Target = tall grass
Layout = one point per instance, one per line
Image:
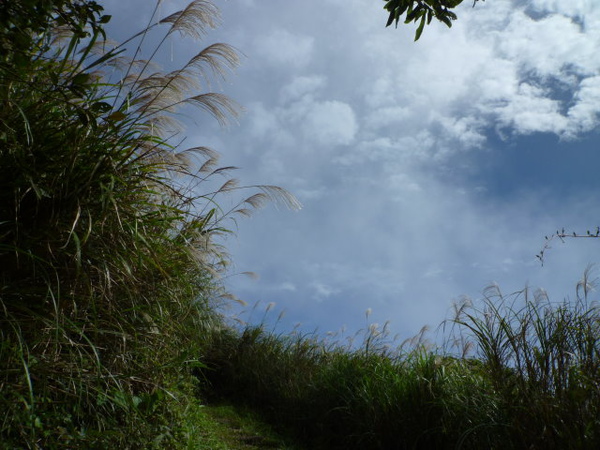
(543, 361)
(110, 272)
(109, 263)
(526, 376)
(333, 395)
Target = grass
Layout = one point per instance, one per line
(108, 228)
(111, 271)
(231, 427)
(525, 376)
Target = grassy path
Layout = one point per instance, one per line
(227, 427)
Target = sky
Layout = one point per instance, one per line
(427, 170)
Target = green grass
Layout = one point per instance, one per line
(526, 375)
(110, 284)
(108, 228)
(231, 427)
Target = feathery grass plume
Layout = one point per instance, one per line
(543, 362)
(110, 266)
(532, 381)
(194, 20)
(335, 396)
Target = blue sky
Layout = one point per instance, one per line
(427, 170)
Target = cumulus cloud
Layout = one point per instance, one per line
(529, 110)
(326, 123)
(575, 8)
(501, 66)
(532, 80)
(372, 131)
(383, 230)
(584, 114)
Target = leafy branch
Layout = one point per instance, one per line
(421, 11)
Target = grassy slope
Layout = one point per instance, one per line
(109, 270)
(532, 383)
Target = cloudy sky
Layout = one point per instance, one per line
(427, 170)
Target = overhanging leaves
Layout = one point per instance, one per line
(421, 12)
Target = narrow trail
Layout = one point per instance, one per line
(224, 426)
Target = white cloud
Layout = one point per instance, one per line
(497, 67)
(530, 80)
(280, 47)
(584, 115)
(380, 228)
(301, 86)
(544, 46)
(323, 291)
(572, 8)
(385, 116)
(325, 123)
(464, 131)
(263, 122)
(286, 286)
(359, 122)
(529, 110)
(330, 123)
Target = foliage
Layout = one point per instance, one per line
(334, 396)
(22, 22)
(532, 381)
(543, 361)
(421, 11)
(110, 267)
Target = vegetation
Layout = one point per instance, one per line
(110, 282)
(519, 372)
(421, 11)
(110, 268)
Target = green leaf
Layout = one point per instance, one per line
(412, 14)
(420, 29)
(116, 116)
(400, 10)
(81, 78)
(391, 19)
(101, 107)
(446, 20)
